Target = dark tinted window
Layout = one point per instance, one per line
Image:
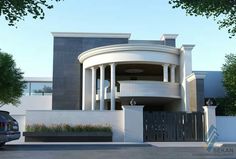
(5, 116)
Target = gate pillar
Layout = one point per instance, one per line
(210, 121)
(133, 123)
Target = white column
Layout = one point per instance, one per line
(94, 90)
(172, 70)
(83, 90)
(113, 79)
(185, 71)
(87, 89)
(102, 78)
(165, 72)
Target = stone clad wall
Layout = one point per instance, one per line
(67, 71)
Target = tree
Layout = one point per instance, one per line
(229, 74)
(11, 81)
(227, 106)
(224, 11)
(16, 10)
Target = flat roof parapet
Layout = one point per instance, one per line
(91, 35)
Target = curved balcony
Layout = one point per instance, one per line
(133, 88)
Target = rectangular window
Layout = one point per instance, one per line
(41, 88)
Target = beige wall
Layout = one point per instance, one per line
(193, 95)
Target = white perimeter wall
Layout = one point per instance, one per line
(29, 103)
(73, 117)
(226, 128)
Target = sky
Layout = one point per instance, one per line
(31, 42)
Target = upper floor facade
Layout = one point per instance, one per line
(102, 71)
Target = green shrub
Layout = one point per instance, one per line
(67, 128)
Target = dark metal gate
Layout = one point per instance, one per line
(173, 126)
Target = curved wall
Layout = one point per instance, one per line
(126, 53)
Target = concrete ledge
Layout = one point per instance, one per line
(189, 144)
(79, 143)
(178, 144)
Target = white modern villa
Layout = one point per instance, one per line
(103, 71)
(96, 75)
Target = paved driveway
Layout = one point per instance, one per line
(111, 152)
